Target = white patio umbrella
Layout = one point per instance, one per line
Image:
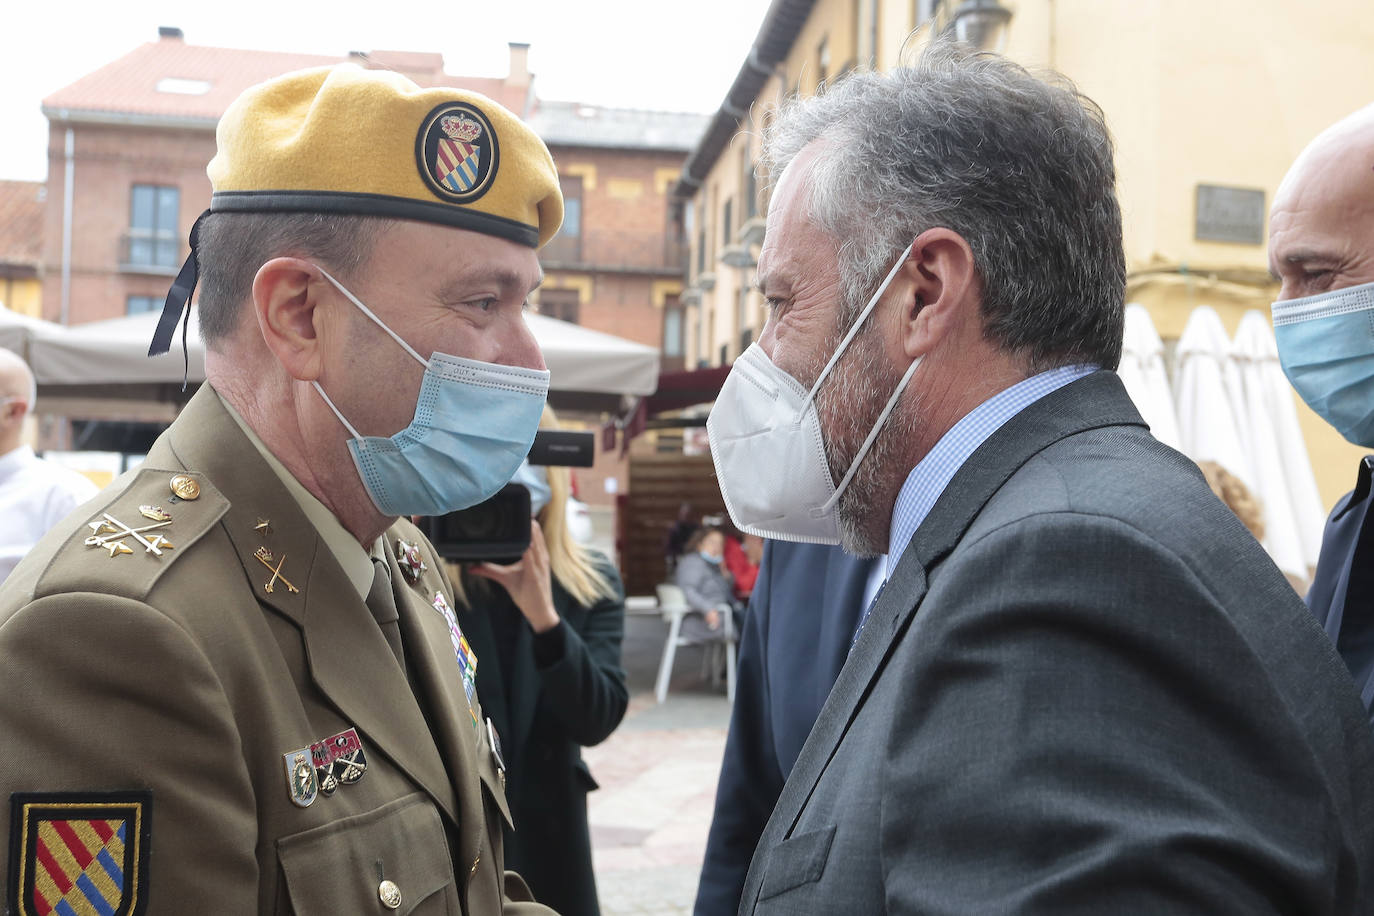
(1285, 483)
(115, 351)
(1142, 372)
(1208, 422)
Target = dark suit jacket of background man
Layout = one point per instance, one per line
(1342, 592)
(1085, 689)
(802, 614)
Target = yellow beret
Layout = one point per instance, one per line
(343, 139)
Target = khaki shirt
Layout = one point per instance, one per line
(153, 705)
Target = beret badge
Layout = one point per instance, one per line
(457, 152)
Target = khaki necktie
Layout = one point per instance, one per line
(382, 603)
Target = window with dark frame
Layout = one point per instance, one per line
(154, 239)
(567, 244)
(672, 326)
(562, 304)
(137, 305)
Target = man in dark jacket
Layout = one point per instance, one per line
(805, 604)
(1321, 247)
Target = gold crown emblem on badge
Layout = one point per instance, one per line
(460, 127)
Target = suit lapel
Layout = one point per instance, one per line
(1091, 402)
(349, 659)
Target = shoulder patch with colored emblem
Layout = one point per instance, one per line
(457, 152)
(79, 853)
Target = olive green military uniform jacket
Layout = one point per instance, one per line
(187, 681)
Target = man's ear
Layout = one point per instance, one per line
(16, 410)
(941, 283)
(285, 304)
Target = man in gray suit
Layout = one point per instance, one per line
(1083, 688)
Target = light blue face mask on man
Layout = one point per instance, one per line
(1326, 346)
(474, 423)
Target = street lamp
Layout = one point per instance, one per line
(981, 23)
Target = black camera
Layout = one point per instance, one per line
(498, 530)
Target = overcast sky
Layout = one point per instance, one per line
(625, 53)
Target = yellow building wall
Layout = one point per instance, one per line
(24, 296)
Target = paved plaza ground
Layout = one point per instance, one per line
(658, 774)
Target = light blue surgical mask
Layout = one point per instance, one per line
(1326, 347)
(536, 480)
(474, 423)
(710, 558)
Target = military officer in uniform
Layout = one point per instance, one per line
(235, 683)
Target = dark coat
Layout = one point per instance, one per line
(1084, 689)
(802, 614)
(1342, 592)
(554, 694)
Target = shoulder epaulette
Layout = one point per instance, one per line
(129, 541)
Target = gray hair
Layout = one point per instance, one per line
(232, 246)
(1020, 167)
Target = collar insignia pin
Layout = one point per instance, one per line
(266, 559)
(263, 527)
(154, 513)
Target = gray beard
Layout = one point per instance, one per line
(849, 405)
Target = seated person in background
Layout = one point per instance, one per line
(547, 631)
(705, 584)
(742, 555)
(679, 533)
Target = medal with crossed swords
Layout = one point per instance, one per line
(109, 532)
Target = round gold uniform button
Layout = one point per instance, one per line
(185, 487)
(389, 894)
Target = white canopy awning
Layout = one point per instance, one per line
(17, 332)
(1284, 481)
(1208, 392)
(115, 352)
(1142, 372)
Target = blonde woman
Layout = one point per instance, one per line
(546, 631)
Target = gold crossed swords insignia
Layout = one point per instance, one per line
(266, 559)
(109, 532)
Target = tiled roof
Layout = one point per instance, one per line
(203, 80)
(576, 124)
(21, 222)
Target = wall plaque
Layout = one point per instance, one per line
(1230, 214)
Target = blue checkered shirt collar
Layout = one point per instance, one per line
(929, 478)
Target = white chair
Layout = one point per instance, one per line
(672, 604)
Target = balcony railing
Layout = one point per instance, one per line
(619, 250)
(149, 254)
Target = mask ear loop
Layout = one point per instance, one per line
(853, 329)
(369, 313)
(342, 419)
(872, 437)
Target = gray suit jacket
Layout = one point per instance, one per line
(1085, 689)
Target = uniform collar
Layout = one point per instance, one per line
(353, 559)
